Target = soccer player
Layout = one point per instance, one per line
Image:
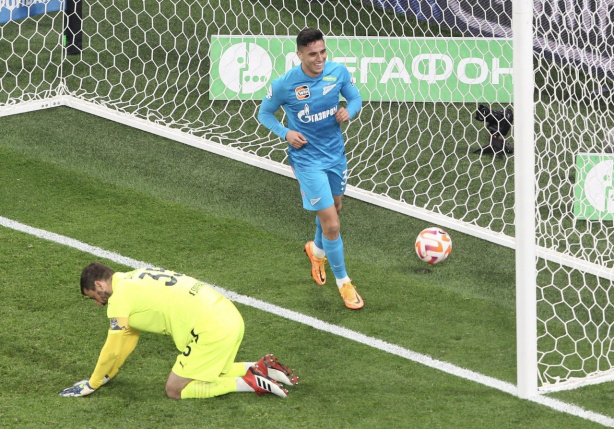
(309, 95)
(206, 327)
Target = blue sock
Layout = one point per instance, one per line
(318, 238)
(334, 253)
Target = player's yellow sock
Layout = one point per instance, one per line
(202, 389)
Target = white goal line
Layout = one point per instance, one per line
(326, 327)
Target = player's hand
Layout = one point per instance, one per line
(105, 380)
(82, 389)
(296, 139)
(342, 115)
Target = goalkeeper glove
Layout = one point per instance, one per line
(105, 380)
(80, 389)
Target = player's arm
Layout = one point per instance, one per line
(266, 114)
(352, 96)
(130, 340)
(121, 341)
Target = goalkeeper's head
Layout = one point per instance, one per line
(92, 273)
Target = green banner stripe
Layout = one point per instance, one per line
(594, 188)
(385, 69)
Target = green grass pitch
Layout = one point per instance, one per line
(242, 229)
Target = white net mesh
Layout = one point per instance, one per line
(575, 305)
(29, 55)
(412, 147)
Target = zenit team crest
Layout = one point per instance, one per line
(302, 92)
(326, 89)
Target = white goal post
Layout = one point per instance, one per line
(439, 95)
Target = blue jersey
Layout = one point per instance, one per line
(310, 104)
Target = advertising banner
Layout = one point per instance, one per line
(594, 188)
(12, 10)
(384, 69)
(580, 32)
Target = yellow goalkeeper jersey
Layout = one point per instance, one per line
(162, 302)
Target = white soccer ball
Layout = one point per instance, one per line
(433, 245)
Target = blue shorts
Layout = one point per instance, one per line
(319, 186)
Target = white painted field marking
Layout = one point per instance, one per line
(327, 327)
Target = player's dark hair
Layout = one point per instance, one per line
(307, 36)
(91, 273)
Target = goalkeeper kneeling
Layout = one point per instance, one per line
(206, 327)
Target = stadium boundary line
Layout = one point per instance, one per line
(446, 367)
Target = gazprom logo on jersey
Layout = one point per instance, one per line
(11, 10)
(384, 69)
(305, 117)
(594, 188)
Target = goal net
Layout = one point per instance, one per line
(436, 81)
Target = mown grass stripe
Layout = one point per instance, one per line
(446, 367)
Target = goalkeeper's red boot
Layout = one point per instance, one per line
(272, 368)
(318, 265)
(263, 384)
